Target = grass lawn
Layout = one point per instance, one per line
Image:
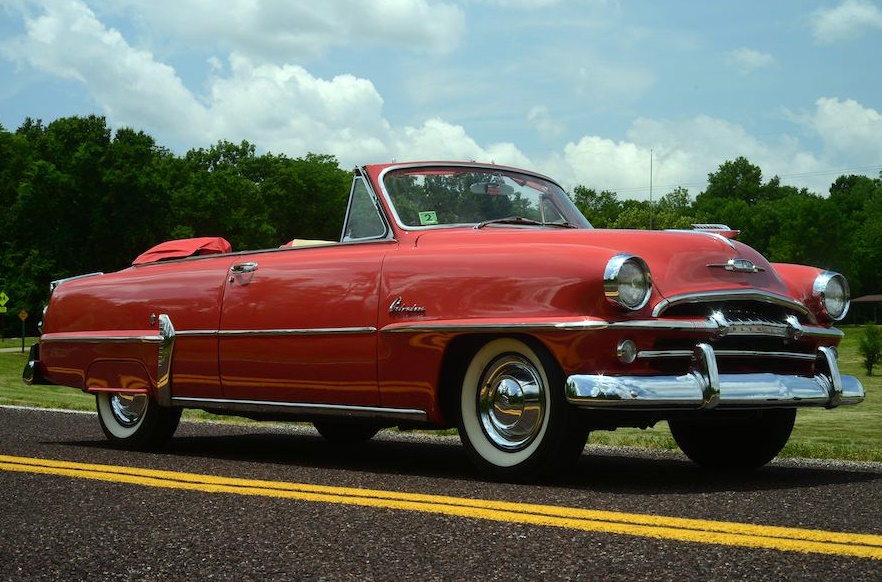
(849, 432)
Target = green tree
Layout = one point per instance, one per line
(307, 196)
(735, 180)
(853, 230)
(218, 195)
(602, 209)
(673, 211)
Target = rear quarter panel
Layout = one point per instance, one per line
(124, 306)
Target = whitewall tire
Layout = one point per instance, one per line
(513, 418)
(135, 421)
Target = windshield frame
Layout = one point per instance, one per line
(559, 197)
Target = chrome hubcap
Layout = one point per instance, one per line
(128, 408)
(511, 402)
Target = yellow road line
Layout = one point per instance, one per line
(652, 526)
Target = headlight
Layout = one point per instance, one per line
(627, 282)
(831, 290)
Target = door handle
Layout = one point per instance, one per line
(242, 272)
(242, 268)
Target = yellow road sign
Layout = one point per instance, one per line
(4, 298)
(2, 309)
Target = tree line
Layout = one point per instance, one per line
(841, 231)
(77, 197)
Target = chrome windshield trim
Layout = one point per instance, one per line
(304, 408)
(465, 166)
(733, 295)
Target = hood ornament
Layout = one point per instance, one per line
(738, 266)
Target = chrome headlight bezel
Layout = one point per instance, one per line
(830, 290)
(627, 282)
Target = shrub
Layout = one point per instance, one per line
(870, 348)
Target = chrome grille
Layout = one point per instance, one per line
(749, 335)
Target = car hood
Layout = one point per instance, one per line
(681, 262)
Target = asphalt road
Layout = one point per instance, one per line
(92, 520)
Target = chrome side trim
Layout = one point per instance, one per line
(704, 387)
(652, 325)
(197, 333)
(164, 361)
(160, 338)
(650, 354)
(733, 295)
(58, 282)
(110, 339)
(423, 327)
(304, 409)
(290, 332)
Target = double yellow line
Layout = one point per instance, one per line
(633, 524)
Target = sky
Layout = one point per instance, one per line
(634, 96)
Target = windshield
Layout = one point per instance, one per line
(430, 196)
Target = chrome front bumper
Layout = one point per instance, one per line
(704, 387)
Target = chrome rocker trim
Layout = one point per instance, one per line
(339, 411)
(704, 387)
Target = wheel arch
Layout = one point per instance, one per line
(120, 375)
(459, 353)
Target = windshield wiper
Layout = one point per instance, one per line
(522, 220)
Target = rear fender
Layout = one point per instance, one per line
(125, 376)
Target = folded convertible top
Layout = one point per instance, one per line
(185, 247)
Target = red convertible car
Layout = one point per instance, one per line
(462, 295)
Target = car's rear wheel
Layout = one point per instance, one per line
(514, 421)
(135, 421)
(734, 440)
(345, 433)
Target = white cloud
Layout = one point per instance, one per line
(131, 87)
(683, 153)
(848, 20)
(285, 108)
(281, 31)
(539, 4)
(540, 119)
(849, 130)
(439, 140)
(748, 60)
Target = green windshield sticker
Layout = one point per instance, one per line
(428, 217)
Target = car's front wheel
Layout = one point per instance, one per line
(135, 421)
(734, 440)
(514, 421)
